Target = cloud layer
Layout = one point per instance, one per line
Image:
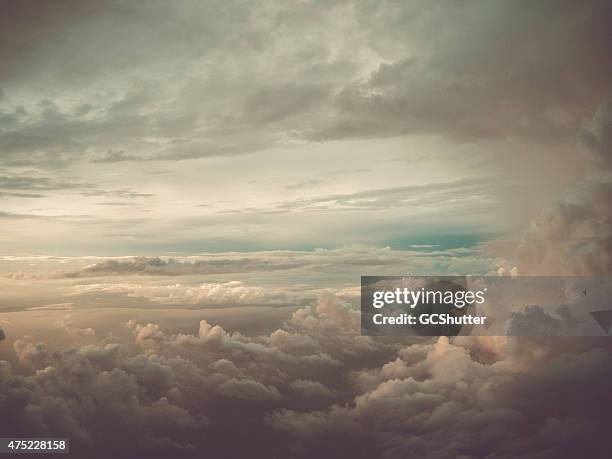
(268, 144)
(311, 124)
(313, 386)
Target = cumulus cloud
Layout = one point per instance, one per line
(437, 401)
(311, 389)
(249, 390)
(574, 235)
(182, 379)
(314, 386)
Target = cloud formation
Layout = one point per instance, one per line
(345, 262)
(314, 386)
(298, 125)
(231, 293)
(174, 267)
(574, 235)
(383, 70)
(437, 401)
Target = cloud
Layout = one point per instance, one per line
(574, 235)
(533, 320)
(12, 216)
(377, 70)
(249, 390)
(231, 293)
(311, 389)
(31, 186)
(432, 194)
(455, 83)
(21, 195)
(49, 218)
(36, 183)
(439, 402)
(173, 267)
(121, 193)
(168, 391)
(348, 261)
(90, 86)
(256, 97)
(313, 386)
(110, 156)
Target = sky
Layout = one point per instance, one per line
(197, 127)
(190, 192)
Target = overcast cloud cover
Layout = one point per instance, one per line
(184, 126)
(189, 192)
